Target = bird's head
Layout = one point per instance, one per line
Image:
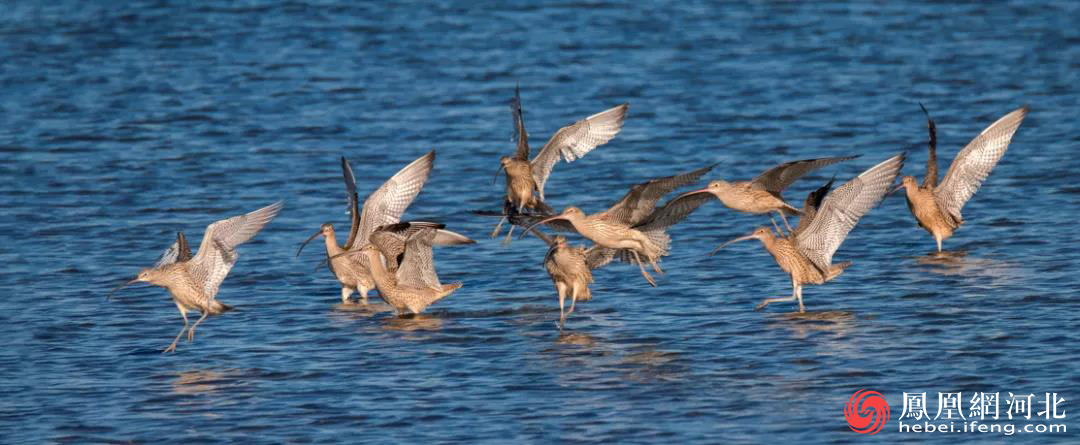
(145, 276)
(715, 187)
(906, 183)
(571, 212)
(326, 230)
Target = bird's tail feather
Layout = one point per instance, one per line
(836, 269)
(217, 307)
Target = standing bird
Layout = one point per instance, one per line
(634, 227)
(937, 206)
(570, 269)
(384, 206)
(193, 281)
(763, 193)
(806, 255)
(407, 281)
(524, 177)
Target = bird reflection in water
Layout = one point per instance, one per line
(413, 323)
(198, 382)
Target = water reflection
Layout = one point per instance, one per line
(413, 323)
(958, 263)
(198, 382)
(586, 358)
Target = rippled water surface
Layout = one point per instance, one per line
(120, 125)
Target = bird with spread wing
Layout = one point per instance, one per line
(806, 254)
(525, 179)
(936, 207)
(193, 281)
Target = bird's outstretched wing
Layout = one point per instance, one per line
(778, 178)
(418, 264)
(597, 257)
(811, 205)
(640, 202)
(974, 163)
(391, 239)
(388, 203)
(217, 254)
(520, 134)
(930, 180)
(841, 210)
(178, 252)
(354, 203)
(574, 141)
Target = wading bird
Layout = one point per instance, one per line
(570, 268)
(806, 255)
(193, 281)
(634, 227)
(406, 281)
(937, 206)
(763, 193)
(384, 206)
(525, 177)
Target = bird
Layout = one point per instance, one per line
(806, 255)
(384, 206)
(525, 179)
(763, 193)
(936, 207)
(570, 268)
(634, 227)
(193, 281)
(407, 281)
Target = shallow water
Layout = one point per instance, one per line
(122, 125)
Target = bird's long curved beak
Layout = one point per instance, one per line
(109, 295)
(741, 238)
(307, 241)
(530, 228)
(496, 178)
(694, 192)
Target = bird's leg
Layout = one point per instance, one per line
(363, 294)
(562, 299)
(798, 294)
(172, 347)
(191, 332)
(641, 266)
(345, 293)
(776, 227)
(498, 227)
(509, 235)
(767, 301)
(938, 239)
(784, 219)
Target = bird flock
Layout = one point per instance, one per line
(396, 258)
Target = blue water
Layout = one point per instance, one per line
(120, 125)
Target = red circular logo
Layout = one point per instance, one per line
(866, 412)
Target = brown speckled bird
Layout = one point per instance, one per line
(525, 179)
(406, 280)
(806, 255)
(384, 206)
(634, 227)
(763, 193)
(937, 206)
(193, 281)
